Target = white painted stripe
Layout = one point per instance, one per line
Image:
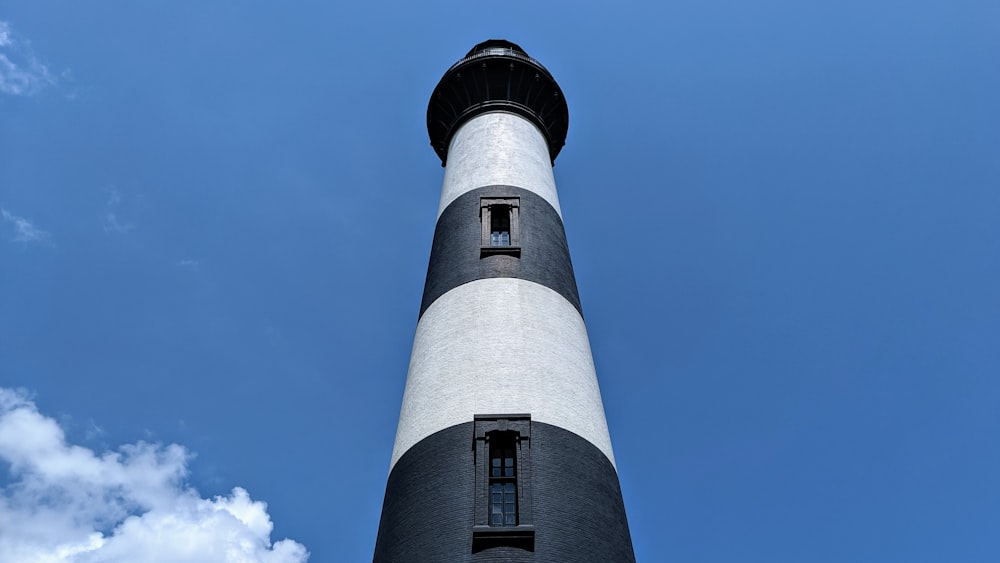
(501, 345)
(498, 148)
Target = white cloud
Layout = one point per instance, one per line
(68, 504)
(112, 224)
(114, 196)
(24, 230)
(21, 73)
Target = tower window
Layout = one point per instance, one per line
(503, 483)
(500, 225)
(501, 232)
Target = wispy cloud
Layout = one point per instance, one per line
(68, 504)
(114, 197)
(21, 73)
(24, 230)
(112, 223)
(93, 431)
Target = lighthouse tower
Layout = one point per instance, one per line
(502, 451)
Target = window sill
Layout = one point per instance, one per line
(485, 251)
(485, 537)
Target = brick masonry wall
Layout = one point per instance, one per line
(455, 252)
(579, 516)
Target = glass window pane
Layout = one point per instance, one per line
(502, 466)
(500, 218)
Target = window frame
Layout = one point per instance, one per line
(502, 477)
(514, 431)
(487, 207)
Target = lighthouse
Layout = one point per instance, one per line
(502, 452)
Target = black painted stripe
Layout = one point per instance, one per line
(455, 252)
(577, 508)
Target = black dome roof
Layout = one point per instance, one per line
(497, 75)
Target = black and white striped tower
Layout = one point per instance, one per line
(502, 451)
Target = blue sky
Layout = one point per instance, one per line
(216, 219)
